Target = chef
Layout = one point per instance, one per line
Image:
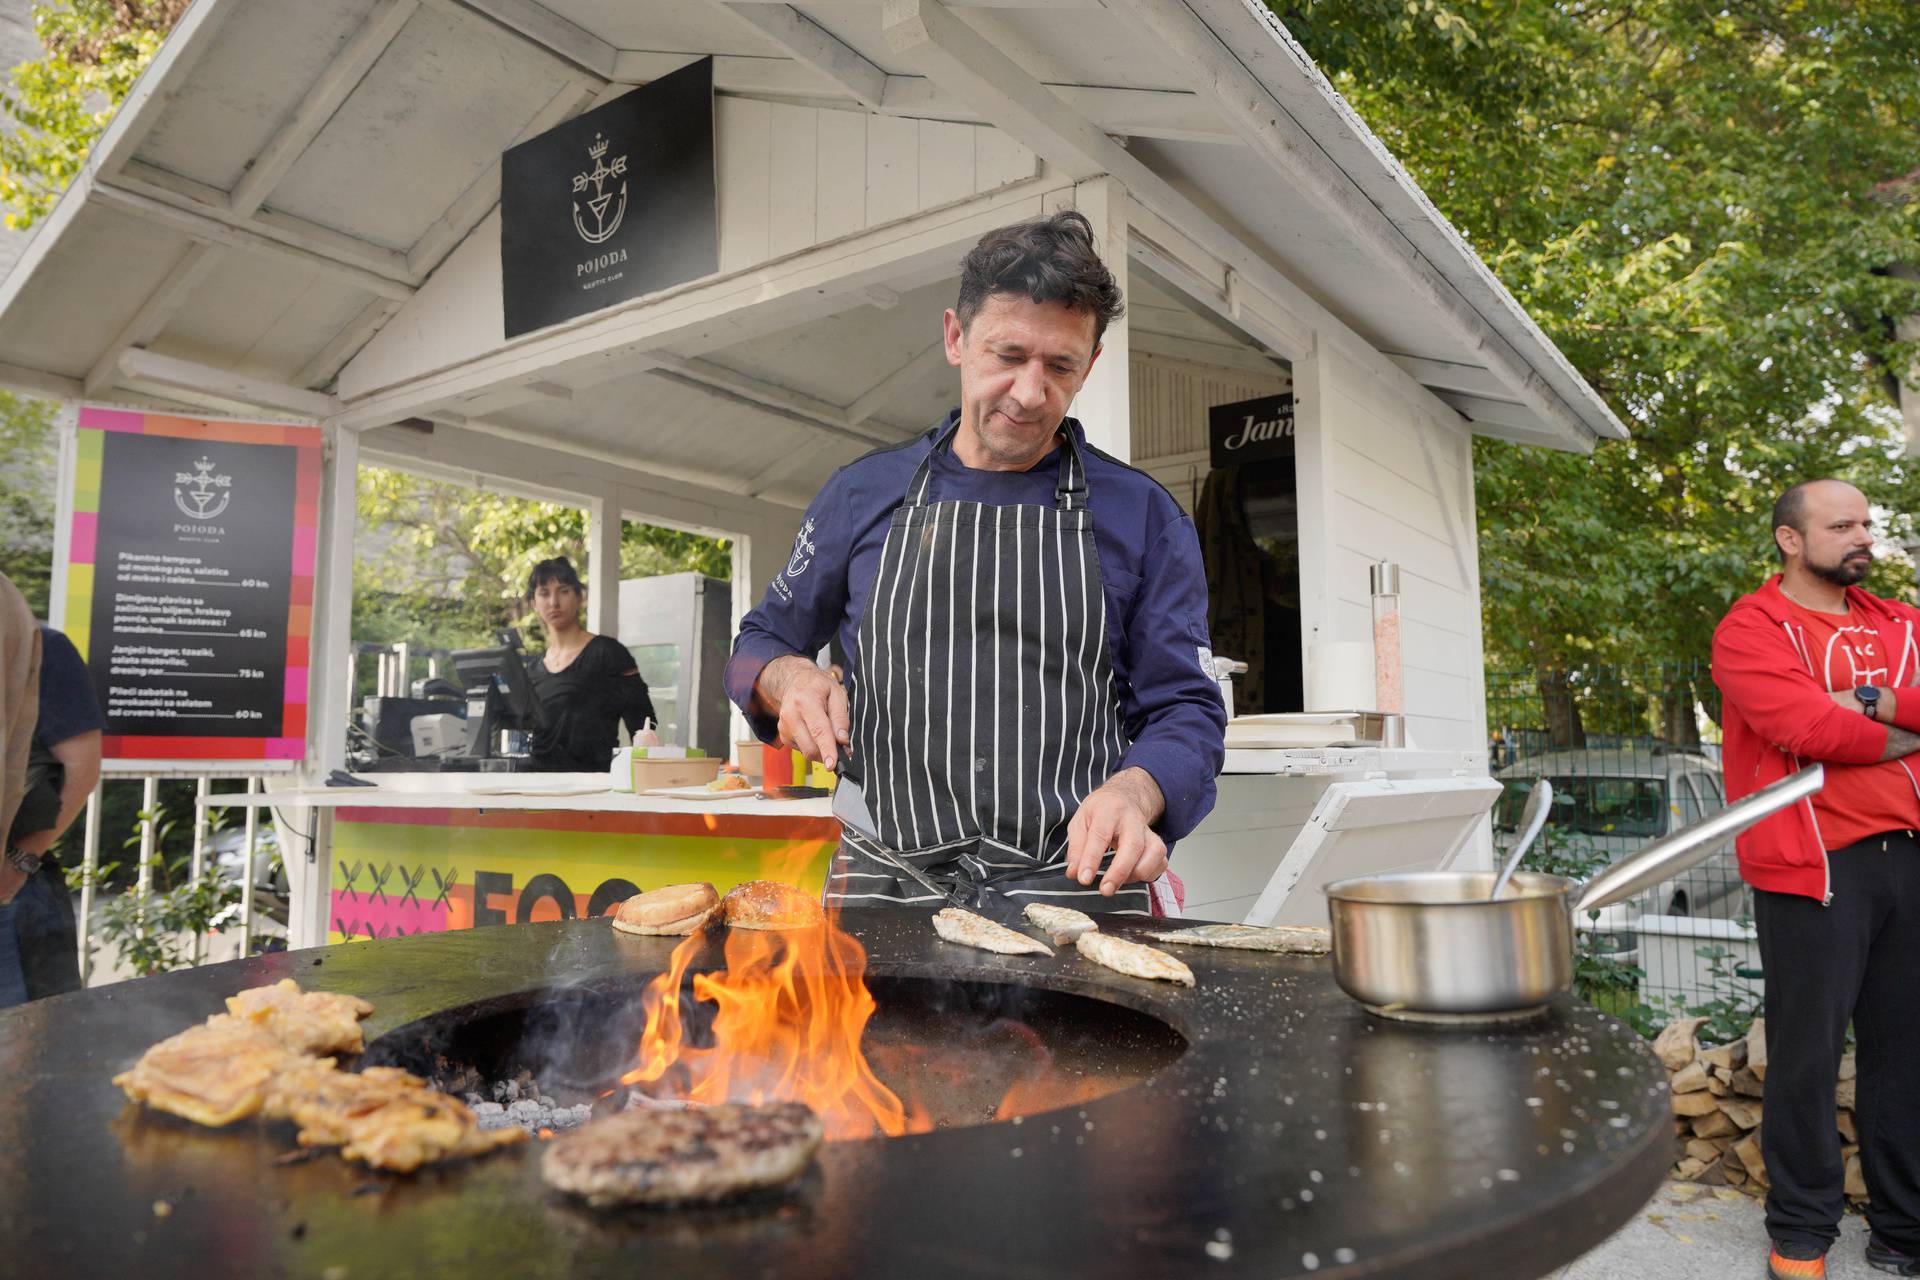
(1023, 619)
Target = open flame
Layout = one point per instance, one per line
(790, 1010)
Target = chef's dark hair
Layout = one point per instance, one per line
(1050, 260)
(559, 569)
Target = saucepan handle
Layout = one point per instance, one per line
(1668, 856)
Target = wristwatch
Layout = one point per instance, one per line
(27, 863)
(1869, 699)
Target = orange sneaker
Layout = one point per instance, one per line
(1792, 1261)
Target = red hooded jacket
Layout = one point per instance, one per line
(1777, 715)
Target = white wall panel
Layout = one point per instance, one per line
(1383, 479)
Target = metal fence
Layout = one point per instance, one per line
(1632, 753)
(152, 896)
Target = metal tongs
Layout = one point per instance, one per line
(977, 896)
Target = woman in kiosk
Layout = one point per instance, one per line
(586, 684)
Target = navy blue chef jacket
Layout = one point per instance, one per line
(1150, 569)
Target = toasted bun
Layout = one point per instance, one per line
(675, 909)
(769, 904)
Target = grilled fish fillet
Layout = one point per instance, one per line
(212, 1074)
(311, 1022)
(1304, 940)
(1063, 924)
(646, 1156)
(389, 1118)
(1134, 959)
(970, 930)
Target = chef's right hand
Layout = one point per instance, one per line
(812, 707)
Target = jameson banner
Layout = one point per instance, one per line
(611, 205)
(188, 583)
(1251, 431)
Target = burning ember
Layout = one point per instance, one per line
(789, 1013)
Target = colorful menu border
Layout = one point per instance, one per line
(93, 424)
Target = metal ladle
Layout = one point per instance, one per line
(1533, 819)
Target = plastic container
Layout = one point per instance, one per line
(650, 775)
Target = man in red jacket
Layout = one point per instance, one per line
(1812, 668)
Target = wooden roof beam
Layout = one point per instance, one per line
(329, 91)
(887, 390)
(812, 44)
(161, 306)
(195, 380)
(134, 193)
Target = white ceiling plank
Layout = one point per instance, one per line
(732, 73)
(882, 393)
(960, 60)
(165, 76)
(1448, 375)
(303, 125)
(707, 314)
(542, 27)
(1140, 113)
(326, 363)
(1056, 6)
(473, 205)
(192, 378)
(36, 382)
(370, 268)
(1500, 413)
(1193, 351)
(812, 44)
(153, 315)
(783, 400)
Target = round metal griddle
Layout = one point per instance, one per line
(1295, 1135)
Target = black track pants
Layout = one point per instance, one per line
(1856, 960)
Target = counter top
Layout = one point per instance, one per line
(1297, 1135)
(576, 792)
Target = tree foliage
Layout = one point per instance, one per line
(95, 50)
(443, 564)
(1699, 204)
(29, 462)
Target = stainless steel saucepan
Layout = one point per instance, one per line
(1435, 945)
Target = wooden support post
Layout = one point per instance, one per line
(603, 563)
(1104, 406)
(332, 636)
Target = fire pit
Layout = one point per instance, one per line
(1057, 1119)
(961, 1053)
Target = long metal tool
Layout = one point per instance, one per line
(1532, 820)
(1670, 855)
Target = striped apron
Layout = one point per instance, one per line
(983, 706)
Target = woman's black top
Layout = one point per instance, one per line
(583, 704)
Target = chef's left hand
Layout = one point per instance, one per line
(1118, 816)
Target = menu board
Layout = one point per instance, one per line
(188, 583)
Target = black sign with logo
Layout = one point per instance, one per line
(188, 627)
(612, 204)
(1251, 431)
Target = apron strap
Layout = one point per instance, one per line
(1069, 493)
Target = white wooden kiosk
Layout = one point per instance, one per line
(296, 215)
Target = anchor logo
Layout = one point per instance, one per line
(803, 551)
(597, 204)
(194, 491)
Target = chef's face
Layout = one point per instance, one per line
(1835, 541)
(1021, 363)
(558, 605)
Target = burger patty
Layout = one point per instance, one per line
(646, 1156)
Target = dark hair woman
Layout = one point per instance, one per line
(587, 684)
